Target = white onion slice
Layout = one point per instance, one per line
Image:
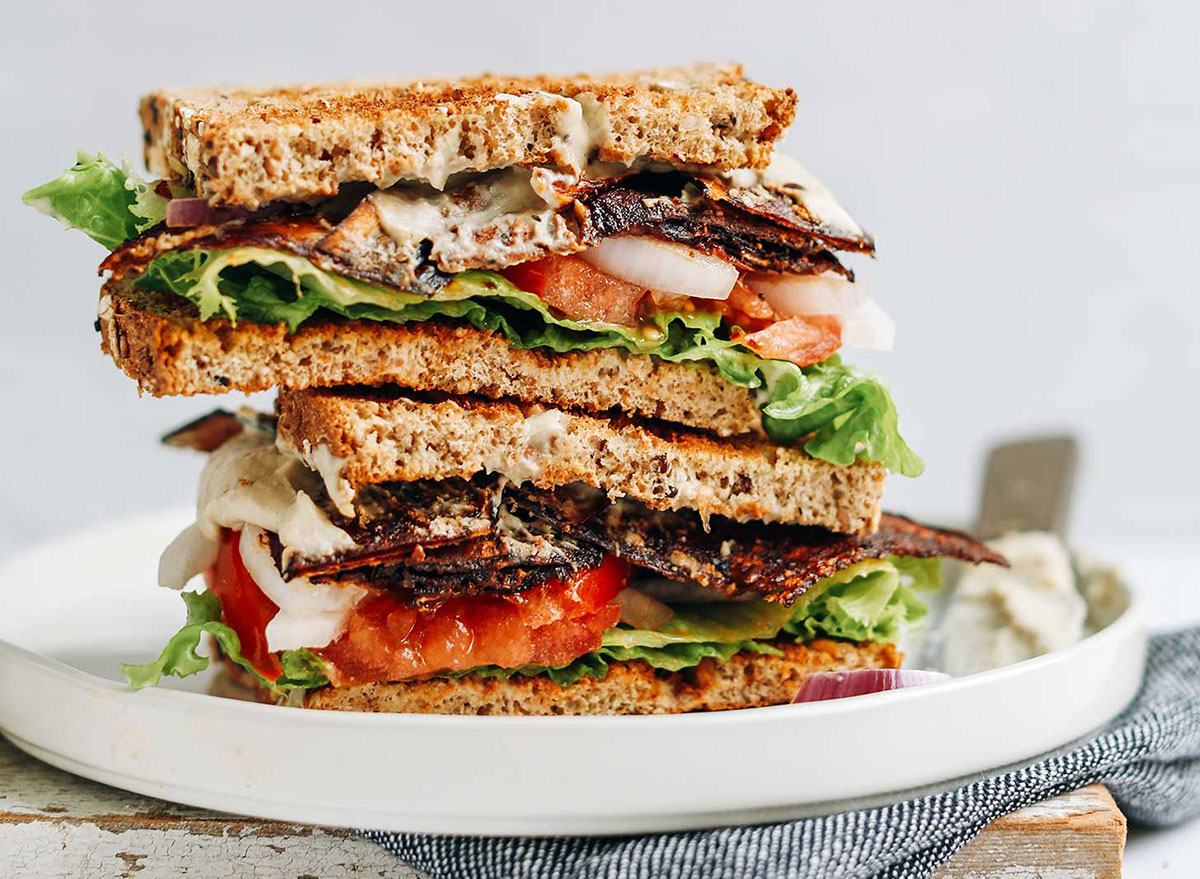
(823, 685)
(663, 266)
(864, 323)
(310, 614)
(826, 293)
(641, 611)
(192, 552)
(290, 632)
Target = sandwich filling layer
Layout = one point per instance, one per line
(441, 578)
(736, 269)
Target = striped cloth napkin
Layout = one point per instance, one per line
(1149, 757)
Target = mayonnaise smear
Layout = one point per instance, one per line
(998, 616)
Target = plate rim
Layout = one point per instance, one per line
(1113, 650)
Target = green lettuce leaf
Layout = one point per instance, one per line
(848, 411)
(870, 601)
(721, 622)
(845, 413)
(107, 202)
(873, 600)
(673, 657)
(302, 669)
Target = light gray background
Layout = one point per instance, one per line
(1031, 171)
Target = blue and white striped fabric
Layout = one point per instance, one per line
(1149, 757)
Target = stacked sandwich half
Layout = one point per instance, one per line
(562, 426)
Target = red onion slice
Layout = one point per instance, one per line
(822, 685)
(185, 212)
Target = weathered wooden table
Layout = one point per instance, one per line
(53, 824)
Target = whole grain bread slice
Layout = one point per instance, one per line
(158, 340)
(746, 680)
(357, 437)
(246, 146)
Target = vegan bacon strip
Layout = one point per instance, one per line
(442, 539)
(764, 233)
(779, 562)
(574, 524)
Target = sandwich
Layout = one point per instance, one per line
(562, 424)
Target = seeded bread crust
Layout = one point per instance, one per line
(360, 437)
(159, 341)
(746, 680)
(246, 146)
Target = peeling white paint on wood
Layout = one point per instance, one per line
(67, 850)
(53, 825)
(1080, 835)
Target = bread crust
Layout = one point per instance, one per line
(385, 436)
(746, 680)
(159, 341)
(246, 146)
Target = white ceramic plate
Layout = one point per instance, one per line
(72, 610)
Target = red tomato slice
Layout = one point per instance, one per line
(804, 339)
(244, 607)
(579, 290)
(749, 309)
(388, 640)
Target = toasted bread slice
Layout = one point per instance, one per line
(158, 340)
(357, 437)
(246, 146)
(746, 680)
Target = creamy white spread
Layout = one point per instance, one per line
(998, 616)
(445, 159)
(328, 466)
(247, 481)
(578, 131)
(538, 435)
(788, 177)
(305, 529)
(489, 221)
(584, 133)
(497, 218)
(553, 186)
(574, 135)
